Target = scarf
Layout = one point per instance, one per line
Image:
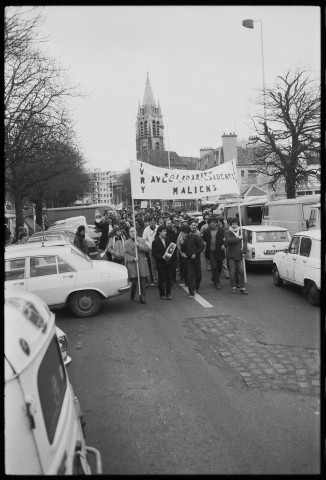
(235, 231)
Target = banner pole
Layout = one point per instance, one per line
(136, 249)
(244, 263)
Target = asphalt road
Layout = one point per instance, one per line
(175, 387)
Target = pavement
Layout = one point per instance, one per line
(228, 341)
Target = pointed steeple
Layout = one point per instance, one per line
(148, 99)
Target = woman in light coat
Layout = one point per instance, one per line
(129, 253)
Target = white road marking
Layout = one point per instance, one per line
(197, 297)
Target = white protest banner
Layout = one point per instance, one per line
(149, 182)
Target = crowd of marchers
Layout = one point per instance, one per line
(142, 247)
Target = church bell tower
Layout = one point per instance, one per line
(149, 124)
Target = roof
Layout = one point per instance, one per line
(264, 228)
(301, 199)
(35, 248)
(160, 158)
(28, 325)
(316, 234)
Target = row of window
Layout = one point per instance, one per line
(144, 128)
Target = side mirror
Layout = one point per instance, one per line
(286, 250)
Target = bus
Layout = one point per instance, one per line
(88, 211)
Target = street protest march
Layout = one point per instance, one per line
(150, 182)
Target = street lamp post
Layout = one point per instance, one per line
(249, 23)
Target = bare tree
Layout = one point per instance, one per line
(37, 123)
(287, 141)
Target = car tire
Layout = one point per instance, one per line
(313, 294)
(278, 282)
(85, 303)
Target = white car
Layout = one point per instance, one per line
(263, 242)
(63, 275)
(300, 264)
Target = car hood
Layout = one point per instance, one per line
(111, 267)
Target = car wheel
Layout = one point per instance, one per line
(85, 303)
(278, 282)
(313, 294)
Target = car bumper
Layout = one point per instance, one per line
(123, 290)
(262, 261)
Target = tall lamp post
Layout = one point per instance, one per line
(249, 23)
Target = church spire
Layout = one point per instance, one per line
(148, 100)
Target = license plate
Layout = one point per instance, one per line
(271, 252)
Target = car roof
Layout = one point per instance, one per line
(265, 228)
(316, 234)
(35, 248)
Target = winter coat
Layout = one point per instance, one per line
(129, 253)
(234, 248)
(81, 243)
(219, 242)
(158, 250)
(115, 246)
(193, 243)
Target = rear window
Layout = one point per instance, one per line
(272, 236)
(52, 385)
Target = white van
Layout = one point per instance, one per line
(263, 242)
(292, 213)
(315, 217)
(43, 421)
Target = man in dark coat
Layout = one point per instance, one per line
(213, 237)
(164, 267)
(79, 240)
(191, 249)
(235, 248)
(171, 236)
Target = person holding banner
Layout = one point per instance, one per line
(136, 264)
(234, 251)
(164, 267)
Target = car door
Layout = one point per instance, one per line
(301, 261)
(15, 273)
(51, 278)
(290, 259)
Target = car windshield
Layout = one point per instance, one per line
(81, 254)
(272, 236)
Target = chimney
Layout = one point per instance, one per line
(229, 144)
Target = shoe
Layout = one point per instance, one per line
(163, 298)
(238, 286)
(234, 290)
(190, 296)
(244, 291)
(218, 286)
(132, 299)
(169, 297)
(143, 301)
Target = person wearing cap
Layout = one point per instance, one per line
(191, 249)
(79, 240)
(164, 267)
(129, 253)
(115, 246)
(235, 248)
(214, 238)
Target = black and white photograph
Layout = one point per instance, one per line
(163, 265)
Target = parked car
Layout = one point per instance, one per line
(63, 275)
(74, 222)
(44, 425)
(69, 233)
(300, 264)
(263, 242)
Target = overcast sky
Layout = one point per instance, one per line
(205, 68)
